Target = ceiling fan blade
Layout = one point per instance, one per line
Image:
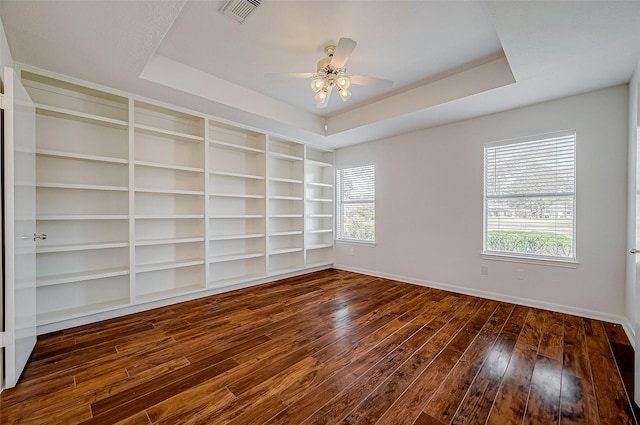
(363, 80)
(284, 75)
(343, 51)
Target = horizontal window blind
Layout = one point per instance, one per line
(356, 203)
(530, 196)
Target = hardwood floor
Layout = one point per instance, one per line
(331, 347)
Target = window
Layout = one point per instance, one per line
(530, 197)
(356, 202)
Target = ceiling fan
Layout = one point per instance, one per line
(331, 72)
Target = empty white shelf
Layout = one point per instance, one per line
(80, 186)
(238, 216)
(80, 276)
(319, 263)
(170, 191)
(320, 231)
(168, 166)
(83, 217)
(233, 146)
(84, 310)
(283, 270)
(167, 216)
(238, 175)
(319, 246)
(279, 251)
(84, 157)
(236, 195)
(80, 247)
(285, 156)
(319, 163)
(287, 198)
(168, 265)
(285, 215)
(235, 257)
(163, 132)
(284, 180)
(319, 215)
(319, 184)
(319, 200)
(286, 233)
(168, 241)
(237, 236)
(235, 280)
(173, 292)
(80, 116)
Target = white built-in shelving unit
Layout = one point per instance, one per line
(169, 176)
(318, 179)
(285, 206)
(237, 194)
(145, 203)
(82, 203)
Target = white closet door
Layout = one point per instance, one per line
(19, 228)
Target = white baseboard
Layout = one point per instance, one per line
(628, 329)
(589, 314)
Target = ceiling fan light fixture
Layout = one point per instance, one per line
(331, 71)
(321, 95)
(318, 84)
(344, 94)
(343, 82)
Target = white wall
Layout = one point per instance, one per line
(429, 207)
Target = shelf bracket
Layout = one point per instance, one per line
(5, 101)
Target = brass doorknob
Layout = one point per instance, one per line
(634, 251)
(39, 236)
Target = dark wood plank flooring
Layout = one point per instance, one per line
(332, 347)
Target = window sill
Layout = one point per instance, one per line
(570, 264)
(354, 242)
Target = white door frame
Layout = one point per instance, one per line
(18, 186)
(632, 284)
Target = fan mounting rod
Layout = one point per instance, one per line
(324, 66)
(329, 50)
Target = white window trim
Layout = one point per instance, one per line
(521, 257)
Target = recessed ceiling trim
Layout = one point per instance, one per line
(167, 72)
(488, 76)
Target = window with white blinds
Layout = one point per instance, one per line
(530, 197)
(356, 199)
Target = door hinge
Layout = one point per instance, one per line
(2, 344)
(5, 101)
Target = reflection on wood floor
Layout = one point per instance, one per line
(331, 347)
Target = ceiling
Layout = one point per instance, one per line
(448, 60)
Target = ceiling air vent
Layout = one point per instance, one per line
(239, 10)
